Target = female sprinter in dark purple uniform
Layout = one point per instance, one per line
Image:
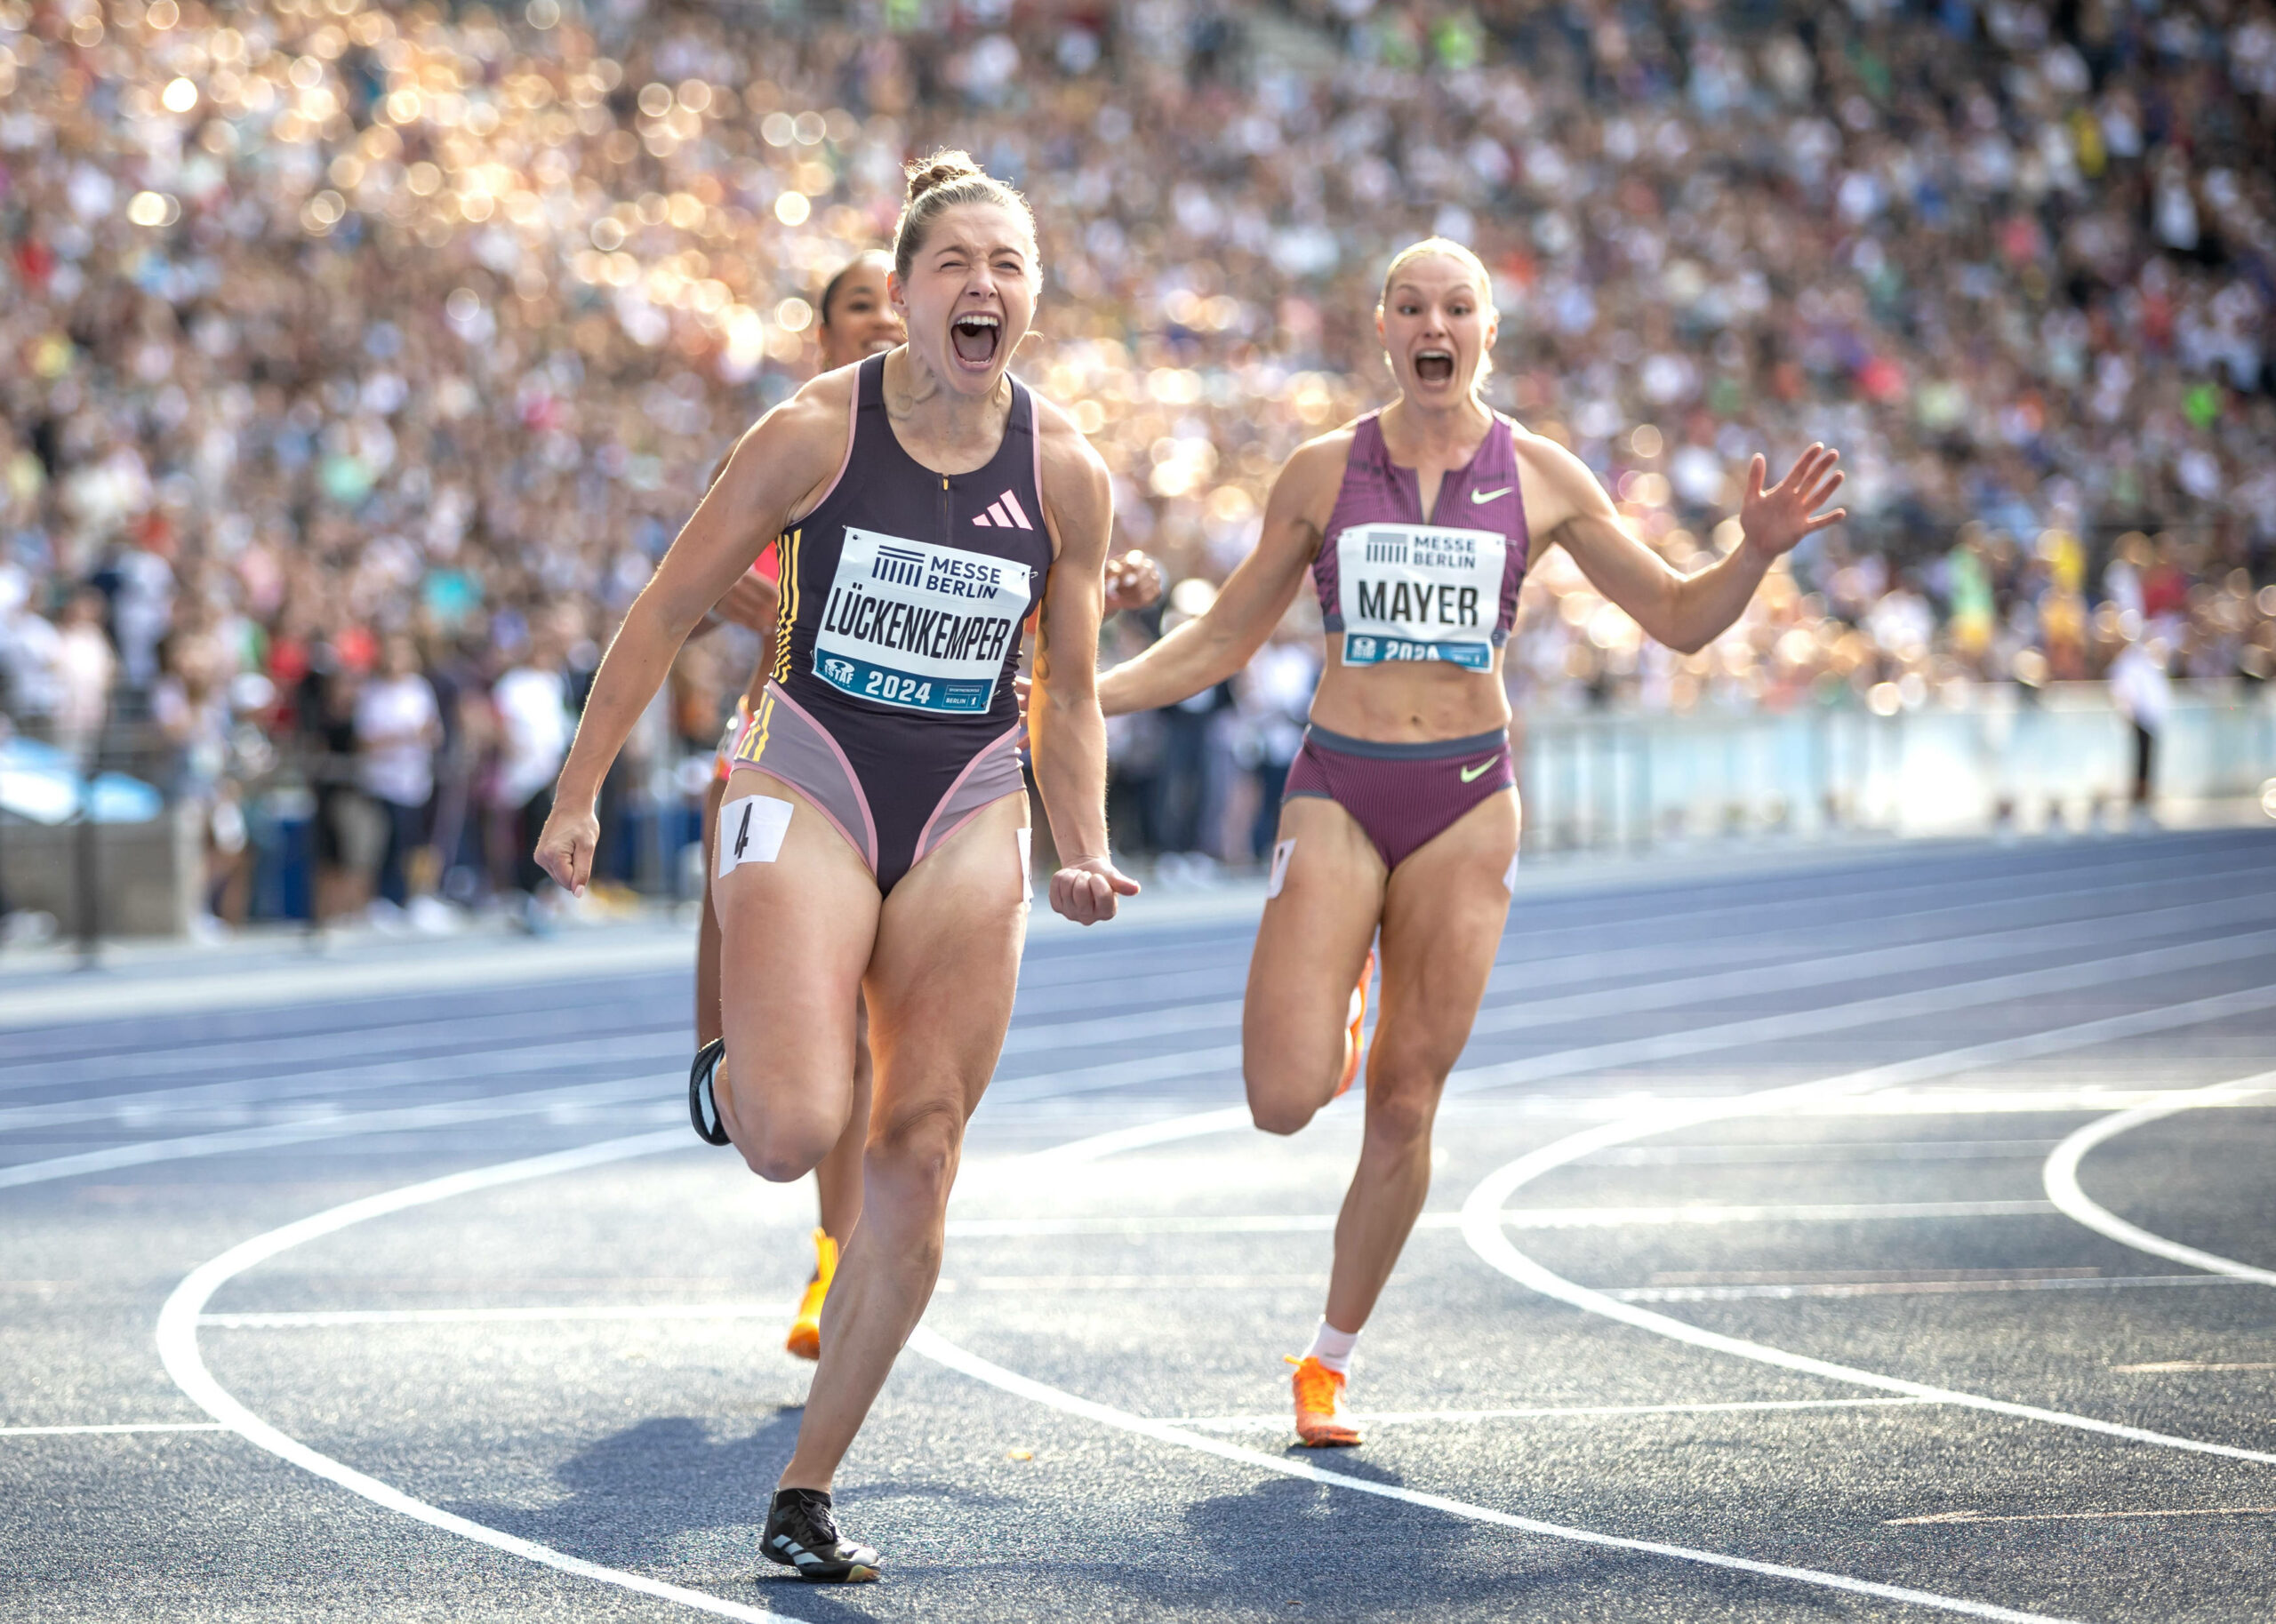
(1416, 524)
(857, 320)
(874, 836)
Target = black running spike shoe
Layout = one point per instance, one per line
(703, 1105)
(802, 1533)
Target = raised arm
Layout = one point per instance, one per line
(1685, 611)
(1206, 650)
(1065, 731)
(777, 470)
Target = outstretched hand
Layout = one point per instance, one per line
(1086, 891)
(1776, 519)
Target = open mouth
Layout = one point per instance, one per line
(975, 337)
(1434, 366)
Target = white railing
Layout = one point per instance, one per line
(2059, 755)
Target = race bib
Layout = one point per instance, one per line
(1419, 592)
(920, 627)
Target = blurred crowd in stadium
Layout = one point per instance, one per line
(361, 359)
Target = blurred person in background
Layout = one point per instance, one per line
(2142, 692)
(350, 831)
(1417, 524)
(31, 658)
(398, 728)
(85, 669)
(189, 704)
(531, 703)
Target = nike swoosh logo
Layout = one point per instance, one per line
(1469, 775)
(1480, 498)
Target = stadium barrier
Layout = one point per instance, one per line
(2004, 756)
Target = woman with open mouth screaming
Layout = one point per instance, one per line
(1417, 525)
(874, 836)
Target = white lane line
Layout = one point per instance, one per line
(1186, 1064)
(178, 1321)
(2055, 980)
(443, 1114)
(1556, 1063)
(1806, 966)
(933, 1346)
(1959, 1519)
(1899, 1288)
(320, 1319)
(1517, 1218)
(178, 1324)
(315, 1090)
(1435, 1417)
(168, 990)
(110, 1429)
(2060, 1177)
(1482, 1228)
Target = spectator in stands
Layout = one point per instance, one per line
(534, 727)
(398, 727)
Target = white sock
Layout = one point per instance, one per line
(1333, 1348)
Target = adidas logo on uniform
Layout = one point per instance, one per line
(1004, 513)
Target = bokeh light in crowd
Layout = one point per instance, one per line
(353, 318)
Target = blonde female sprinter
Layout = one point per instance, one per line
(1417, 525)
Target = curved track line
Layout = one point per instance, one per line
(179, 1320)
(2060, 1177)
(1482, 1228)
(178, 1347)
(933, 1346)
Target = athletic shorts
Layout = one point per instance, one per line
(1401, 796)
(894, 790)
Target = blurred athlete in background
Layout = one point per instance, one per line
(1416, 524)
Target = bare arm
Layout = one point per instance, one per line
(774, 473)
(1686, 612)
(1065, 729)
(1204, 652)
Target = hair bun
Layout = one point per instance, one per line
(940, 169)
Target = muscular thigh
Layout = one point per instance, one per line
(947, 962)
(1312, 940)
(796, 933)
(1443, 911)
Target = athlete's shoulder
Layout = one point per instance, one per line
(809, 427)
(1561, 484)
(1075, 477)
(1314, 471)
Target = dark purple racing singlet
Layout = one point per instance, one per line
(891, 706)
(1401, 586)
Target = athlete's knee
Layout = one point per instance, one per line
(1279, 1101)
(1402, 1098)
(917, 1145)
(781, 1153)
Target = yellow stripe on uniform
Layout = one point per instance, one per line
(786, 614)
(754, 741)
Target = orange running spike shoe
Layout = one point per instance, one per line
(806, 1331)
(1352, 1043)
(1322, 1420)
